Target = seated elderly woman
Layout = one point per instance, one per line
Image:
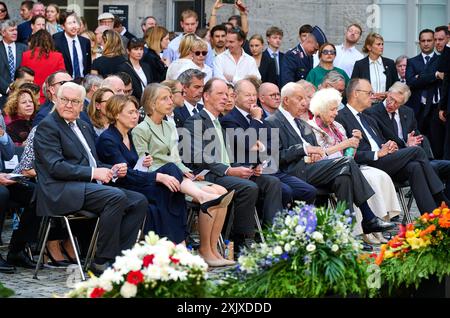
(19, 111)
(331, 136)
(163, 183)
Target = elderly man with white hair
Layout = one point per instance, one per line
(331, 136)
(67, 164)
(302, 156)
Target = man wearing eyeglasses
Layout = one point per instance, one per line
(71, 178)
(269, 98)
(376, 150)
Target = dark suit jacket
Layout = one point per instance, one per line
(364, 153)
(291, 150)
(421, 79)
(407, 120)
(62, 46)
(241, 142)
(135, 79)
(362, 70)
(181, 114)
(268, 70)
(296, 65)
(280, 61)
(444, 66)
(24, 32)
(62, 165)
(5, 78)
(200, 159)
(159, 69)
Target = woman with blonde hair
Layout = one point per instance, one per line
(19, 111)
(97, 109)
(157, 40)
(95, 50)
(199, 51)
(185, 61)
(331, 136)
(113, 55)
(52, 16)
(158, 138)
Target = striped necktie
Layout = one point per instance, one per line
(11, 63)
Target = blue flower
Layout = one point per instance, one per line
(349, 220)
(284, 256)
(276, 259)
(347, 212)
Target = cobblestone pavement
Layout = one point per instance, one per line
(55, 282)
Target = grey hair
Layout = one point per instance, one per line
(238, 85)
(7, 24)
(74, 86)
(323, 100)
(91, 80)
(400, 58)
(144, 20)
(186, 77)
(333, 77)
(288, 90)
(107, 82)
(306, 85)
(402, 89)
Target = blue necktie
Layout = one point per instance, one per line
(427, 59)
(76, 64)
(194, 110)
(277, 66)
(369, 129)
(11, 64)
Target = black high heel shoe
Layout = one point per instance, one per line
(54, 262)
(221, 201)
(66, 254)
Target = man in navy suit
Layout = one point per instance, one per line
(269, 98)
(444, 104)
(274, 37)
(246, 119)
(298, 61)
(10, 51)
(75, 49)
(24, 29)
(424, 81)
(193, 83)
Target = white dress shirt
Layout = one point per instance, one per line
(79, 52)
(179, 66)
(83, 141)
(346, 58)
(377, 75)
(190, 107)
(397, 120)
(291, 121)
(226, 67)
(373, 144)
(277, 56)
(13, 48)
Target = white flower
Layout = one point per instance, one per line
(112, 276)
(151, 238)
(299, 229)
(311, 248)
(284, 233)
(128, 290)
(317, 236)
(287, 247)
(278, 250)
(335, 248)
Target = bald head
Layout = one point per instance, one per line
(269, 97)
(114, 83)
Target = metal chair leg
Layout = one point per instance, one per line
(221, 245)
(75, 248)
(230, 222)
(404, 205)
(258, 225)
(41, 254)
(92, 244)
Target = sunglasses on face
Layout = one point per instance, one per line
(204, 53)
(3, 10)
(329, 52)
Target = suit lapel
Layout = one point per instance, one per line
(243, 122)
(284, 122)
(19, 52)
(71, 134)
(403, 118)
(354, 123)
(185, 112)
(66, 52)
(88, 136)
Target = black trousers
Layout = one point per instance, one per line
(435, 129)
(121, 215)
(412, 164)
(442, 169)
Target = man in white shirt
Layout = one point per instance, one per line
(234, 64)
(347, 53)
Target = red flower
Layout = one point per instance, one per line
(97, 292)
(148, 260)
(174, 260)
(135, 277)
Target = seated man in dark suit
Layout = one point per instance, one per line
(193, 83)
(399, 124)
(70, 178)
(301, 156)
(245, 121)
(375, 150)
(213, 156)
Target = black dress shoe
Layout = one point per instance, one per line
(98, 269)
(367, 247)
(21, 259)
(6, 268)
(376, 225)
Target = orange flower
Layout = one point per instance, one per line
(444, 222)
(380, 256)
(428, 230)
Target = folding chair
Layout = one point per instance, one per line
(400, 188)
(79, 215)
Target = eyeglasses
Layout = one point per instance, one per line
(61, 83)
(329, 52)
(370, 93)
(65, 101)
(275, 95)
(204, 53)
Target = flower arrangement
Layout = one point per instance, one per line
(419, 251)
(5, 292)
(152, 268)
(309, 252)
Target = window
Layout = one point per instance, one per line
(176, 7)
(85, 8)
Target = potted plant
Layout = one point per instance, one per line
(152, 268)
(416, 262)
(309, 252)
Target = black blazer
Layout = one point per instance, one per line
(62, 46)
(62, 165)
(421, 79)
(242, 144)
(280, 60)
(135, 79)
(291, 152)
(181, 114)
(364, 153)
(5, 78)
(159, 69)
(268, 70)
(362, 70)
(444, 66)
